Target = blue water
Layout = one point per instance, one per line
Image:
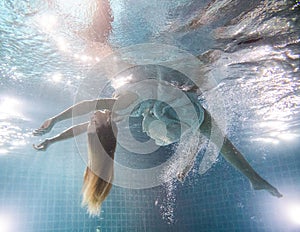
(247, 56)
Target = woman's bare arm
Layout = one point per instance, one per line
(78, 109)
(235, 157)
(68, 133)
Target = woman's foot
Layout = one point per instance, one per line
(264, 185)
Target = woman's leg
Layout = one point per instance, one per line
(235, 157)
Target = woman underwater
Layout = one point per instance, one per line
(102, 134)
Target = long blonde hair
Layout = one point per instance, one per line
(98, 177)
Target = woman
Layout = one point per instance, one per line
(102, 131)
(102, 139)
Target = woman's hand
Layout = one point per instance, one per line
(42, 146)
(45, 127)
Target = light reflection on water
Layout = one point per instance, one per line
(264, 87)
(12, 135)
(9, 107)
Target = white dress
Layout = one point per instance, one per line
(168, 112)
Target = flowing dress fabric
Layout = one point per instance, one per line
(168, 112)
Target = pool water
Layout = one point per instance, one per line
(243, 55)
